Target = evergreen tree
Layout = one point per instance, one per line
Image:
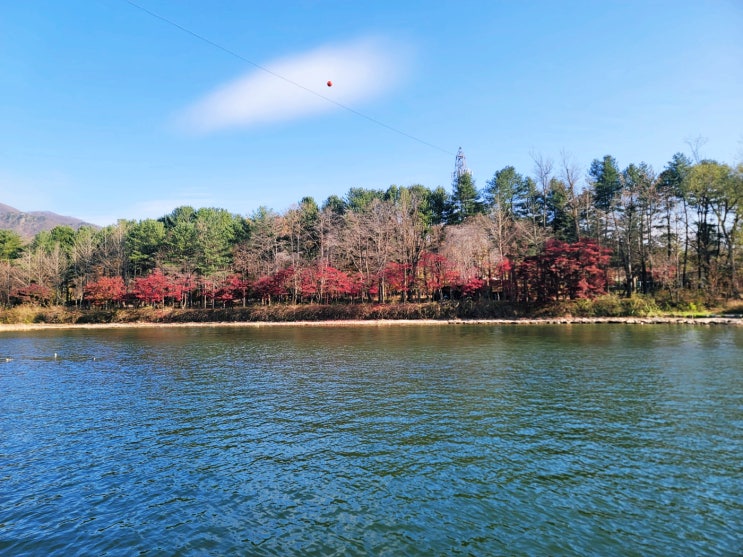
(335, 204)
(464, 201)
(606, 180)
(560, 220)
(11, 244)
(438, 203)
(143, 241)
(505, 191)
(358, 199)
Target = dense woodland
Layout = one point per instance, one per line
(557, 234)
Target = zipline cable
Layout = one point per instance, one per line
(284, 78)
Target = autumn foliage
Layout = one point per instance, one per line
(33, 293)
(560, 271)
(563, 271)
(522, 240)
(105, 291)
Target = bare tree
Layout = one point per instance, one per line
(411, 233)
(262, 254)
(368, 242)
(112, 249)
(695, 146)
(10, 280)
(469, 247)
(84, 255)
(45, 267)
(571, 174)
(543, 170)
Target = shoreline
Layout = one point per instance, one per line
(731, 321)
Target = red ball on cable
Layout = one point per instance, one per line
(330, 83)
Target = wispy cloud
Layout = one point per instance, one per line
(296, 87)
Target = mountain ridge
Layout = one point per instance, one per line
(29, 223)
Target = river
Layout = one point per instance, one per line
(391, 440)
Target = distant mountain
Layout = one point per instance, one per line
(27, 225)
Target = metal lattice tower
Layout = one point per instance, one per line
(460, 166)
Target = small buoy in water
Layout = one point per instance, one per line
(330, 83)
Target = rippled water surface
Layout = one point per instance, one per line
(399, 440)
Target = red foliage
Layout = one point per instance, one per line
(181, 286)
(434, 273)
(472, 286)
(528, 279)
(336, 284)
(501, 283)
(593, 260)
(397, 277)
(105, 290)
(503, 268)
(232, 288)
(308, 282)
(325, 283)
(275, 286)
(155, 287)
(34, 293)
(355, 285)
(261, 287)
(564, 271)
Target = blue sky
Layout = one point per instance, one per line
(110, 112)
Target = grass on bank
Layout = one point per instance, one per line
(609, 305)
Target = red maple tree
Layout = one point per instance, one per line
(153, 288)
(435, 272)
(231, 289)
(563, 271)
(274, 287)
(105, 291)
(33, 293)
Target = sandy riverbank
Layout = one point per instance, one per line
(707, 321)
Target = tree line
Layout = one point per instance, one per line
(557, 233)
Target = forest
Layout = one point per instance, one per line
(556, 234)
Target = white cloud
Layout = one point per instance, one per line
(360, 71)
